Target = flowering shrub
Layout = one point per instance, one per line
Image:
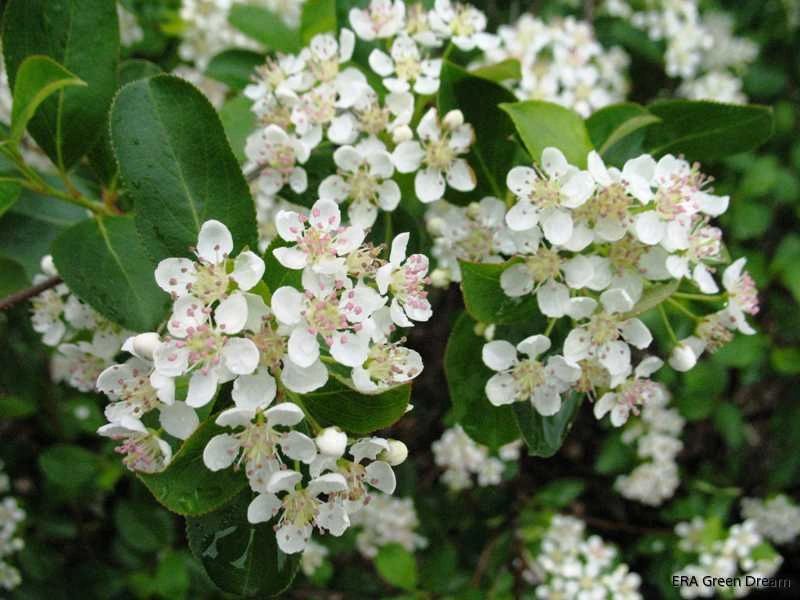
(449, 290)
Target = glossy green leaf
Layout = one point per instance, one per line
(240, 558)
(618, 130)
(397, 566)
(83, 37)
(545, 435)
(239, 122)
(485, 299)
(541, 124)
(9, 193)
(186, 486)
(704, 130)
(105, 263)
(319, 16)
(500, 71)
(143, 527)
(178, 167)
(338, 404)
(492, 426)
(235, 68)
(265, 27)
(491, 155)
(38, 78)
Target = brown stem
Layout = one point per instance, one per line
(30, 292)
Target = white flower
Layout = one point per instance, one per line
(463, 24)
(371, 116)
(387, 365)
(277, 153)
(548, 200)
(405, 278)
(300, 508)
(207, 278)
(439, 148)
(528, 379)
(685, 354)
(742, 296)
(600, 337)
(324, 54)
(364, 177)
(320, 241)
(405, 69)
(134, 388)
(256, 441)
(144, 451)
(629, 394)
(207, 351)
(381, 19)
(335, 314)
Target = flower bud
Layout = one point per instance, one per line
(332, 441)
(453, 119)
(685, 354)
(396, 454)
(145, 344)
(440, 278)
(47, 266)
(402, 134)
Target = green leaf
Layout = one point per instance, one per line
(38, 78)
(239, 122)
(492, 153)
(545, 435)
(275, 274)
(617, 131)
(485, 299)
(70, 468)
(652, 297)
(83, 37)
(703, 130)
(186, 486)
(560, 493)
(265, 27)
(338, 404)
(9, 193)
(319, 16)
(541, 124)
(235, 67)
(499, 72)
(730, 424)
(492, 426)
(397, 566)
(12, 277)
(239, 557)
(105, 263)
(17, 407)
(143, 527)
(136, 69)
(177, 166)
(615, 456)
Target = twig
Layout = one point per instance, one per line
(30, 292)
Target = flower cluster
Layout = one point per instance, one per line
(701, 49)
(777, 519)
(319, 98)
(561, 61)
(387, 520)
(85, 342)
(337, 488)
(718, 554)
(590, 245)
(570, 564)
(11, 515)
(656, 434)
(461, 457)
(207, 32)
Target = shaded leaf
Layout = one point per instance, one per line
(485, 299)
(545, 435)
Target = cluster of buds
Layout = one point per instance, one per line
(589, 245)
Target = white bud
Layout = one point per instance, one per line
(145, 344)
(489, 332)
(332, 441)
(396, 454)
(402, 134)
(436, 225)
(47, 266)
(453, 119)
(685, 354)
(440, 278)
